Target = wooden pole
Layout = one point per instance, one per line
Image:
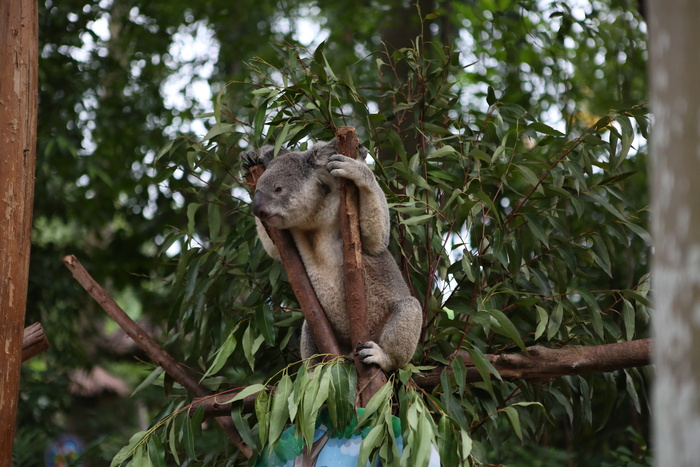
(18, 113)
(369, 378)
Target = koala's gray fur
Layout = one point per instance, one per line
(299, 191)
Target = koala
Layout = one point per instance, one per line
(299, 191)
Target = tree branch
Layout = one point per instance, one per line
(143, 340)
(369, 378)
(542, 363)
(319, 326)
(34, 341)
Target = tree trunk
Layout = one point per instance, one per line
(18, 110)
(675, 169)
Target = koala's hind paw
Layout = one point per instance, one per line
(371, 353)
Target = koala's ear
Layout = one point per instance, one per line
(259, 156)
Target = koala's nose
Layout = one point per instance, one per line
(259, 206)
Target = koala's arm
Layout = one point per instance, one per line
(374, 211)
(266, 240)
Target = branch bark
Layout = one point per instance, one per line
(369, 378)
(34, 341)
(542, 363)
(319, 326)
(145, 342)
(18, 117)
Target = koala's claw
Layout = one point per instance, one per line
(371, 353)
(352, 169)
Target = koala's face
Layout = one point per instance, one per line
(296, 190)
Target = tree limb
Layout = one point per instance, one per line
(34, 341)
(369, 378)
(542, 363)
(143, 340)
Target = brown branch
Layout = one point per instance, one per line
(145, 342)
(34, 341)
(539, 364)
(370, 378)
(542, 363)
(314, 315)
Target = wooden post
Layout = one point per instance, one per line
(369, 378)
(18, 112)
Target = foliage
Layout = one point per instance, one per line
(509, 231)
(470, 158)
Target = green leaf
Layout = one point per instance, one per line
(507, 327)
(222, 355)
(542, 320)
(280, 410)
(544, 129)
(191, 211)
(214, 219)
(514, 420)
(555, 320)
(628, 317)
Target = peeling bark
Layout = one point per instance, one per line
(18, 116)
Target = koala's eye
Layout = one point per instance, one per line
(278, 189)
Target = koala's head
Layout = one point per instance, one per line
(296, 189)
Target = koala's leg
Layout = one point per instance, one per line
(266, 241)
(374, 211)
(308, 346)
(397, 343)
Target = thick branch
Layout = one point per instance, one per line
(370, 378)
(541, 363)
(145, 342)
(319, 326)
(34, 341)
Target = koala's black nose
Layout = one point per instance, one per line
(259, 206)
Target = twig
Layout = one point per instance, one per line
(34, 341)
(369, 378)
(145, 342)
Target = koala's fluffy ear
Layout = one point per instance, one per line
(259, 156)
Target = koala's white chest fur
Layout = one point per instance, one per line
(322, 254)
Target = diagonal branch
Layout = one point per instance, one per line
(145, 342)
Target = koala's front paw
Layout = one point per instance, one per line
(371, 353)
(352, 169)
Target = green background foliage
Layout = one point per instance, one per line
(517, 197)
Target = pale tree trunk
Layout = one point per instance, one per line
(18, 109)
(675, 170)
